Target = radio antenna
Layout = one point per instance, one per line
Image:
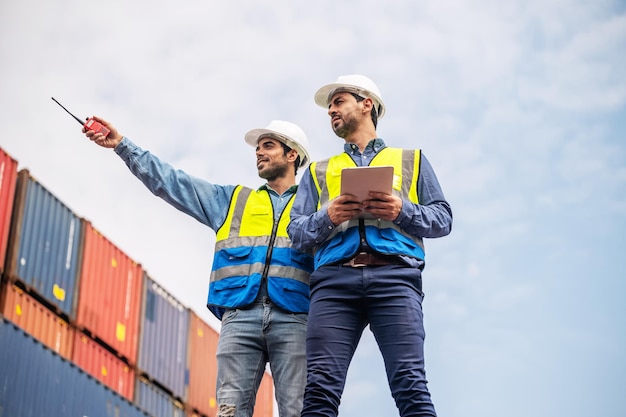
(77, 119)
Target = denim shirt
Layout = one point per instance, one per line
(206, 202)
(431, 218)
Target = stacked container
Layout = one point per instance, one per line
(8, 178)
(162, 357)
(37, 382)
(202, 342)
(37, 320)
(98, 336)
(110, 295)
(44, 250)
(265, 397)
(103, 365)
(156, 401)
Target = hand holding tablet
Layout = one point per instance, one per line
(360, 181)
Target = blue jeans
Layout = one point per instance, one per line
(343, 301)
(250, 337)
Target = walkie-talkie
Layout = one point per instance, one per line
(90, 124)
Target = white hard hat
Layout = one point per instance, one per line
(353, 83)
(288, 133)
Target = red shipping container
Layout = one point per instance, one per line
(264, 406)
(109, 298)
(8, 179)
(37, 320)
(103, 365)
(202, 359)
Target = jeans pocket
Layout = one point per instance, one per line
(229, 315)
(300, 317)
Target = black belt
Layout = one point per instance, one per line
(362, 259)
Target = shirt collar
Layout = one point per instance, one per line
(266, 187)
(374, 146)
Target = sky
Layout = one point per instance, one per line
(519, 105)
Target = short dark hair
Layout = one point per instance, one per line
(286, 150)
(373, 113)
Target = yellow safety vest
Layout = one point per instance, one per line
(250, 247)
(381, 236)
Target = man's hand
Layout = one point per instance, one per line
(383, 206)
(109, 141)
(343, 208)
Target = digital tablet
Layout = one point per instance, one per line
(359, 181)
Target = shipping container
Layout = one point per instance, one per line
(35, 381)
(264, 406)
(155, 401)
(109, 298)
(44, 244)
(37, 320)
(162, 355)
(103, 365)
(202, 367)
(8, 180)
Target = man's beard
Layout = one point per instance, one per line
(344, 129)
(273, 172)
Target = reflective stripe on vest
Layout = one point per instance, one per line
(382, 236)
(251, 245)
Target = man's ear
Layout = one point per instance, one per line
(368, 103)
(292, 155)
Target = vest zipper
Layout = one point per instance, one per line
(270, 248)
(364, 245)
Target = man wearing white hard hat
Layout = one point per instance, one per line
(259, 285)
(369, 254)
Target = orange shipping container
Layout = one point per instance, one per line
(109, 298)
(264, 406)
(97, 361)
(8, 179)
(37, 320)
(202, 361)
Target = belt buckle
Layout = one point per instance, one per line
(360, 260)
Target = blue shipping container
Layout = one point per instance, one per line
(155, 401)
(162, 355)
(35, 381)
(45, 244)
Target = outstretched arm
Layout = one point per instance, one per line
(206, 202)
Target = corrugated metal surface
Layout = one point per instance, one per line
(8, 178)
(155, 401)
(34, 381)
(163, 345)
(98, 362)
(264, 406)
(202, 366)
(44, 244)
(37, 320)
(61, 268)
(110, 294)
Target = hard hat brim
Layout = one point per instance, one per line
(324, 94)
(253, 136)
